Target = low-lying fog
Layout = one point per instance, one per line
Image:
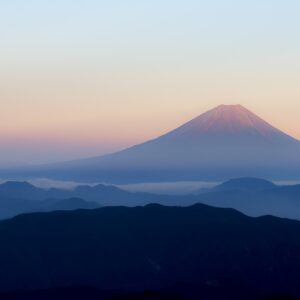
(170, 188)
(163, 188)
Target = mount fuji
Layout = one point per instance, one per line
(227, 141)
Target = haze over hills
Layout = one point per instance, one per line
(226, 142)
(252, 196)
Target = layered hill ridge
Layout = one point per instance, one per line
(252, 196)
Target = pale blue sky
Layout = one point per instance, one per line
(85, 77)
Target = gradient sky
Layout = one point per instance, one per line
(85, 77)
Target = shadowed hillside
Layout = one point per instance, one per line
(150, 247)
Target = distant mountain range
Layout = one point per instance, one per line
(200, 248)
(226, 142)
(252, 196)
(21, 197)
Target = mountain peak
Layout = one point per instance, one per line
(232, 117)
(228, 121)
(230, 107)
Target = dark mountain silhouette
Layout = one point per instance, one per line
(152, 247)
(226, 142)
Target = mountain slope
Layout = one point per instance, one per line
(152, 246)
(228, 141)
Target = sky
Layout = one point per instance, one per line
(81, 78)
